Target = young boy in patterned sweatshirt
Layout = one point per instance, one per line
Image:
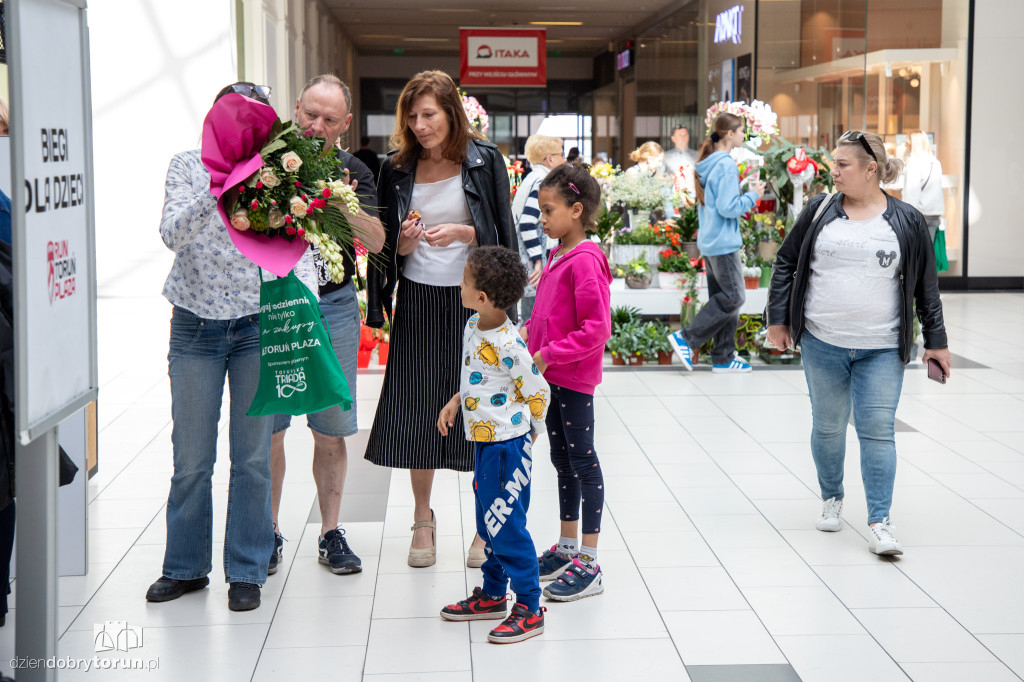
(504, 400)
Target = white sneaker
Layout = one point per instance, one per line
(829, 520)
(882, 540)
(682, 350)
(737, 366)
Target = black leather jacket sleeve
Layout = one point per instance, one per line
(382, 273)
(926, 288)
(784, 271)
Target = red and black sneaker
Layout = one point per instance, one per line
(477, 607)
(521, 624)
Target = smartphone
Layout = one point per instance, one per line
(935, 372)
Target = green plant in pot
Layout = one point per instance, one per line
(624, 314)
(656, 345)
(627, 344)
(686, 226)
(638, 273)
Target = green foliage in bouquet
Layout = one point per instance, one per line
(775, 158)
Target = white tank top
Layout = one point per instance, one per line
(439, 202)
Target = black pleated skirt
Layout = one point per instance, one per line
(422, 375)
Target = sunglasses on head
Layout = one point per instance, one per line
(855, 136)
(250, 90)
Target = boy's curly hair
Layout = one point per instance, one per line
(499, 273)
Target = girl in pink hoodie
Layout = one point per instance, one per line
(566, 335)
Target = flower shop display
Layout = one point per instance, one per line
(687, 226)
(631, 243)
(638, 273)
(515, 175)
(794, 173)
(476, 113)
(606, 226)
(760, 122)
(624, 314)
(639, 193)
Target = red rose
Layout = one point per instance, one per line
(326, 193)
(289, 230)
(255, 204)
(288, 219)
(259, 185)
(301, 232)
(298, 184)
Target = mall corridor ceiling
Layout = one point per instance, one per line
(577, 28)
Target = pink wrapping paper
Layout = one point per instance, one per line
(233, 133)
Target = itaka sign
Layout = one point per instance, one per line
(502, 56)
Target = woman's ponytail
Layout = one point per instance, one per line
(724, 123)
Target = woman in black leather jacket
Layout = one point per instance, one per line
(844, 286)
(442, 192)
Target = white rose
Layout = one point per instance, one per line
(298, 207)
(268, 178)
(291, 162)
(240, 220)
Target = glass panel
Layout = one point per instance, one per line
(827, 66)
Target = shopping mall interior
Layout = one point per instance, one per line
(713, 568)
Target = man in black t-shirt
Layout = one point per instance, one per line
(368, 156)
(324, 106)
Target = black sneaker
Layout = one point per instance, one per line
(166, 589)
(478, 606)
(243, 596)
(521, 624)
(335, 552)
(277, 556)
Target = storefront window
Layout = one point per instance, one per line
(827, 66)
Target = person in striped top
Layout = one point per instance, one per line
(543, 153)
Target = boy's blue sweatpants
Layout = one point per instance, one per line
(501, 483)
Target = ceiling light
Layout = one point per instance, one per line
(426, 40)
(914, 82)
(556, 23)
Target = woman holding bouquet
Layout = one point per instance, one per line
(215, 291)
(443, 191)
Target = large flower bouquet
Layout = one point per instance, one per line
(278, 188)
(760, 122)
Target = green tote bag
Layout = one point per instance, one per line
(299, 372)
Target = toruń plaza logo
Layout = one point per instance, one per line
(60, 262)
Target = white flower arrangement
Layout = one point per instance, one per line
(759, 119)
(639, 191)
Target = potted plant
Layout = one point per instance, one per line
(674, 268)
(656, 345)
(626, 345)
(751, 277)
(638, 273)
(639, 193)
(633, 242)
(383, 342)
(686, 228)
(624, 314)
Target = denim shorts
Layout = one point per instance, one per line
(341, 310)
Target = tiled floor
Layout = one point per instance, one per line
(713, 568)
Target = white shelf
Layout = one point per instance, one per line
(669, 301)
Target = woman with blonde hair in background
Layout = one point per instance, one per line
(846, 284)
(648, 157)
(543, 153)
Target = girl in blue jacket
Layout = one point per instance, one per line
(719, 205)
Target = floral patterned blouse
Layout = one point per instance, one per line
(210, 277)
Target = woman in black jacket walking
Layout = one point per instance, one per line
(442, 192)
(844, 287)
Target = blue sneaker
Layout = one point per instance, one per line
(576, 583)
(335, 552)
(737, 366)
(682, 349)
(552, 564)
(277, 556)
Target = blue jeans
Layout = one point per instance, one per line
(341, 310)
(202, 351)
(868, 382)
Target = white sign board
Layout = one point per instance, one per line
(52, 212)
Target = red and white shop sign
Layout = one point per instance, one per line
(502, 56)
